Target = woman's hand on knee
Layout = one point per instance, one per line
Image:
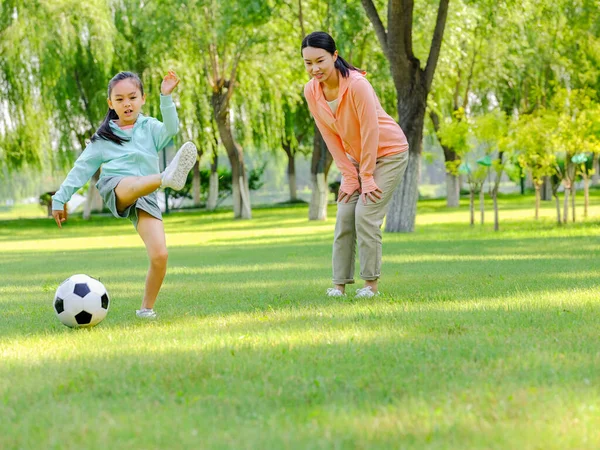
(372, 195)
(344, 197)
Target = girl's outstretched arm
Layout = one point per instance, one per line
(86, 165)
(164, 131)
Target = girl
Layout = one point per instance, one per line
(127, 145)
(368, 148)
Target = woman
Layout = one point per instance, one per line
(369, 149)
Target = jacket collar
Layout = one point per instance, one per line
(140, 120)
(344, 83)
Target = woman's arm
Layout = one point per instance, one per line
(363, 97)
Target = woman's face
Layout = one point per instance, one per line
(319, 63)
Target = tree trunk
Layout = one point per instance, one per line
(537, 201)
(566, 206)
(239, 178)
(403, 206)
(557, 208)
(596, 167)
(472, 206)
(213, 184)
(196, 184)
(481, 203)
(586, 195)
(93, 201)
(547, 189)
(318, 201)
(291, 171)
(453, 190)
(573, 196)
(452, 181)
(321, 162)
(496, 216)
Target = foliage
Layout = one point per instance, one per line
(225, 183)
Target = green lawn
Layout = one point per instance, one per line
(482, 340)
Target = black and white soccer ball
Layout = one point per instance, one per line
(81, 301)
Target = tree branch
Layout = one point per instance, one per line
(373, 16)
(231, 82)
(436, 43)
(84, 98)
(407, 13)
(457, 90)
(470, 77)
(301, 19)
(214, 65)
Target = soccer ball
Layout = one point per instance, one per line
(81, 301)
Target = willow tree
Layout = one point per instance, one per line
(413, 84)
(57, 75)
(457, 75)
(232, 33)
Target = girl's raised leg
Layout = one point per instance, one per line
(130, 189)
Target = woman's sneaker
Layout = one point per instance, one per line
(176, 173)
(335, 292)
(146, 313)
(365, 292)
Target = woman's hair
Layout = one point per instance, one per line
(320, 39)
(105, 131)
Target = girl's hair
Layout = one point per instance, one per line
(105, 131)
(320, 39)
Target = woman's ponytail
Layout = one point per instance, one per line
(344, 66)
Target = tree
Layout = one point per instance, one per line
(490, 131)
(413, 84)
(57, 75)
(530, 142)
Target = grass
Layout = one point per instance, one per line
(482, 340)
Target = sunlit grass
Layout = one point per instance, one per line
(480, 339)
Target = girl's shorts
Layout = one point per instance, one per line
(149, 203)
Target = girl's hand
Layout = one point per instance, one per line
(372, 195)
(60, 216)
(343, 197)
(169, 83)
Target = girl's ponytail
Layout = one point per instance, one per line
(105, 131)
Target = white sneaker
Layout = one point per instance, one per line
(335, 292)
(366, 292)
(146, 314)
(176, 173)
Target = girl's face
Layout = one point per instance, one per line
(319, 63)
(127, 101)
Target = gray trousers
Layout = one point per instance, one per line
(356, 221)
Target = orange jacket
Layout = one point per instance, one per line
(360, 129)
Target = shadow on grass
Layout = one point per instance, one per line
(243, 277)
(500, 367)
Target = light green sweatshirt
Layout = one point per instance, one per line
(136, 157)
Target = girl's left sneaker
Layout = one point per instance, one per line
(176, 173)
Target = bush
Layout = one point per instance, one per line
(225, 184)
